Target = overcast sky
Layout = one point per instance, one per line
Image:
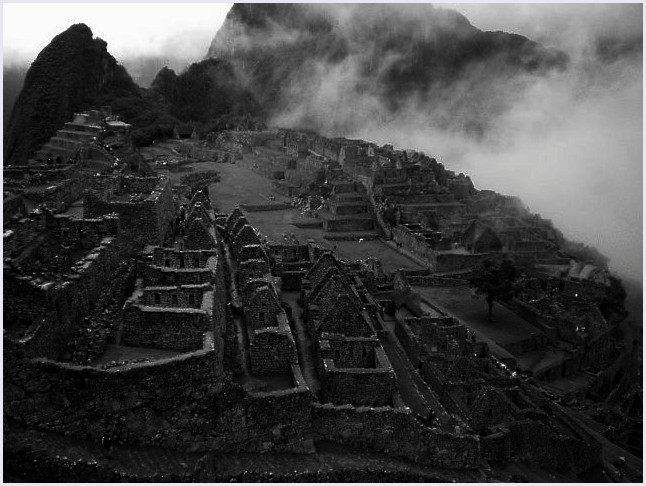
(186, 30)
(130, 29)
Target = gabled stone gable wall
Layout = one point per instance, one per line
(262, 301)
(322, 265)
(200, 235)
(490, 408)
(326, 294)
(272, 351)
(345, 319)
(246, 236)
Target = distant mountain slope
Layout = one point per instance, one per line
(74, 72)
(297, 57)
(13, 78)
(204, 92)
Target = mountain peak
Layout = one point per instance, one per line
(72, 73)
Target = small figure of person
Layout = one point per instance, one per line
(620, 465)
(106, 443)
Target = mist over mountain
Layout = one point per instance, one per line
(558, 123)
(13, 78)
(328, 66)
(74, 72)
(205, 91)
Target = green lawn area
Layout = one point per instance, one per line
(507, 327)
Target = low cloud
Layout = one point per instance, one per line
(568, 143)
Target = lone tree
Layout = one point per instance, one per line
(495, 280)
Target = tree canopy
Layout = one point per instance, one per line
(495, 280)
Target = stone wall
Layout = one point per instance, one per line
(155, 404)
(134, 184)
(417, 245)
(261, 309)
(408, 341)
(87, 401)
(176, 329)
(12, 206)
(534, 441)
(156, 275)
(349, 352)
(136, 218)
(147, 221)
(84, 233)
(395, 432)
(495, 447)
(252, 208)
(429, 281)
(272, 351)
(359, 386)
(458, 261)
(190, 296)
(169, 257)
(63, 304)
(289, 253)
(62, 194)
(348, 225)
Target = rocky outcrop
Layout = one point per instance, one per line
(73, 73)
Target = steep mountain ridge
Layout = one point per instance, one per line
(74, 72)
(296, 57)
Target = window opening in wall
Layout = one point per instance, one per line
(351, 353)
(261, 317)
(173, 299)
(364, 352)
(337, 354)
(196, 262)
(181, 261)
(167, 263)
(157, 299)
(191, 299)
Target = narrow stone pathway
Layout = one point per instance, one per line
(243, 343)
(411, 385)
(304, 345)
